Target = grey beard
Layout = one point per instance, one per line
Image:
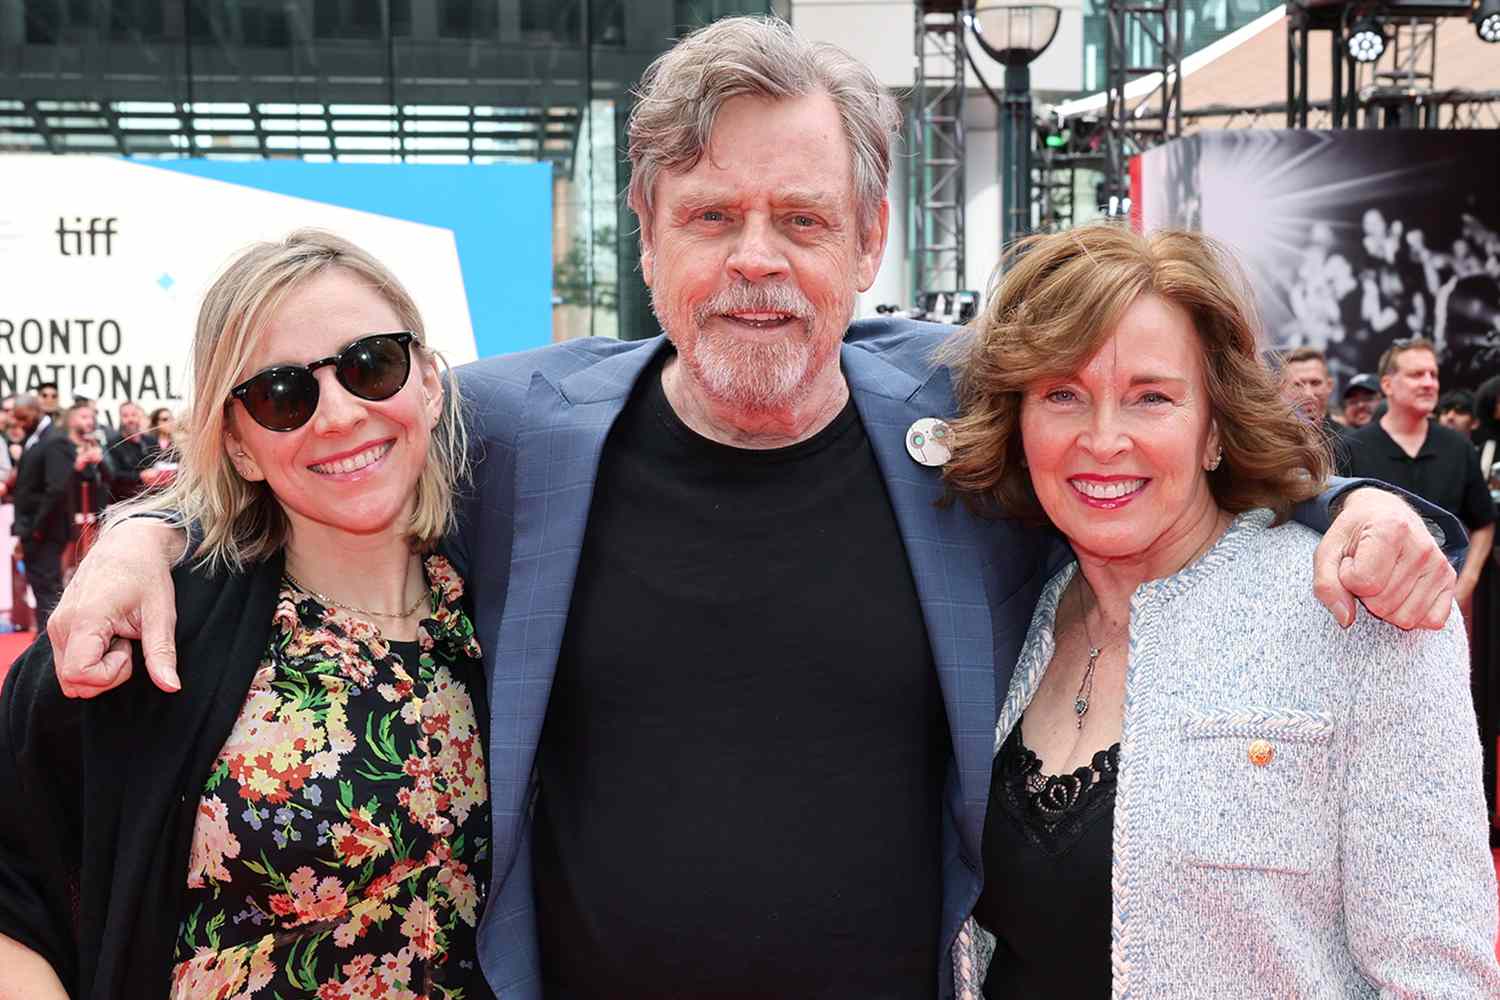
(746, 374)
(750, 376)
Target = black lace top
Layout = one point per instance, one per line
(1047, 842)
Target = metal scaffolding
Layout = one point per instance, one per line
(1142, 41)
(1460, 109)
(1406, 75)
(1055, 181)
(1397, 90)
(937, 178)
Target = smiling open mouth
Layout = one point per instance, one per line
(354, 463)
(759, 320)
(1117, 490)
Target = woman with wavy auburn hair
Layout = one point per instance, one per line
(1202, 786)
(308, 815)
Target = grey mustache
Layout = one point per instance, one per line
(756, 298)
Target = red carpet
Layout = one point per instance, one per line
(11, 646)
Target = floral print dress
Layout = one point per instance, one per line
(341, 848)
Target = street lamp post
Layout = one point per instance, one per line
(1014, 34)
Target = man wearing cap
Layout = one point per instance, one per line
(1456, 412)
(1360, 397)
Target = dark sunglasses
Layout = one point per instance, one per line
(285, 397)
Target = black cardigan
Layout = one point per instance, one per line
(98, 798)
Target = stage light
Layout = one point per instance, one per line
(1366, 41)
(1487, 20)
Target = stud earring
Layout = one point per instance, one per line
(1217, 459)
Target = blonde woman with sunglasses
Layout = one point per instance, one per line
(308, 816)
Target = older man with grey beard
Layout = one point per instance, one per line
(744, 666)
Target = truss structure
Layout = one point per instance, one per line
(1404, 76)
(1398, 90)
(1143, 41)
(937, 178)
(1461, 109)
(1054, 184)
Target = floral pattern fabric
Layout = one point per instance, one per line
(341, 848)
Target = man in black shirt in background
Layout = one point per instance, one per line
(1407, 448)
(1306, 384)
(126, 462)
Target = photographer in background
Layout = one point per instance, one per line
(58, 480)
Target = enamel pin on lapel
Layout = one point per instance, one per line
(927, 442)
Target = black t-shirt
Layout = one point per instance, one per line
(1445, 470)
(1337, 435)
(124, 458)
(741, 770)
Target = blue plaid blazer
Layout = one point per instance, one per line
(542, 417)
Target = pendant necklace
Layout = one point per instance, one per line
(1086, 686)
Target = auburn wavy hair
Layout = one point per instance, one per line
(1059, 300)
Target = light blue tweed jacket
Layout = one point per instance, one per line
(1355, 863)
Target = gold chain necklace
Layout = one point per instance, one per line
(359, 611)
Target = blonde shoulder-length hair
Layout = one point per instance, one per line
(241, 521)
(1057, 304)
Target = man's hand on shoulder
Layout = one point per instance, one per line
(121, 591)
(1379, 551)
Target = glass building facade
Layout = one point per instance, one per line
(435, 81)
(1203, 23)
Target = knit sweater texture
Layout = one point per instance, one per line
(1352, 863)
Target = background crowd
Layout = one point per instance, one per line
(59, 469)
(1355, 292)
(1398, 425)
